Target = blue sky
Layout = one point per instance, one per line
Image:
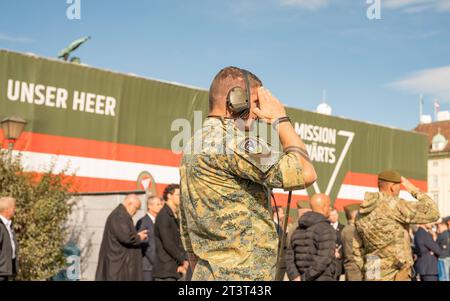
(372, 70)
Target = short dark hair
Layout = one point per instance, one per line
(170, 189)
(349, 214)
(223, 79)
(151, 199)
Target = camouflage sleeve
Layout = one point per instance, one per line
(287, 174)
(358, 251)
(185, 239)
(421, 212)
(347, 243)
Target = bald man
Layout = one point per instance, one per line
(120, 251)
(8, 243)
(311, 252)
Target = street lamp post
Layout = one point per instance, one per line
(12, 128)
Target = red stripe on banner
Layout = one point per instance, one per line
(422, 185)
(281, 199)
(360, 179)
(59, 145)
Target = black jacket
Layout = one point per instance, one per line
(311, 252)
(148, 246)
(443, 241)
(169, 249)
(6, 262)
(120, 256)
(339, 262)
(426, 264)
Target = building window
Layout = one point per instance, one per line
(434, 181)
(436, 197)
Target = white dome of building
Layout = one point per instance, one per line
(324, 108)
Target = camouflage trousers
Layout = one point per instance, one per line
(203, 271)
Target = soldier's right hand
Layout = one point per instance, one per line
(408, 185)
(143, 235)
(270, 108)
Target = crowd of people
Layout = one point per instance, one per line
(318, 246)
(150, 251)
(384, 238)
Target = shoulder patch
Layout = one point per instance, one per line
(254, 146)
(258, 152)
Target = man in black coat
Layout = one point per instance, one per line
(120, 252)
(9, 262)
(428, 252)
(154, 205)
(443, 239)
(311, 253)
(171, 261)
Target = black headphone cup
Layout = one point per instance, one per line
(238, 100)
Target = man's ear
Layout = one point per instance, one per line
(391, 188)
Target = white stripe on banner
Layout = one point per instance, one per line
(129, 171)
(98, 168)
(353, 192)
(296, 192)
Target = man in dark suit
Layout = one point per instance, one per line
(9, 262)
(428, 252)
(334, 221)
(154, 205)
(120, 252)
(171, 261)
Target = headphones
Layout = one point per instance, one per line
(238, 99)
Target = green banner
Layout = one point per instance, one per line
(63, 99)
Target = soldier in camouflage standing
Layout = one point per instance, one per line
(382, 247)
(225, 176)
(352, 272)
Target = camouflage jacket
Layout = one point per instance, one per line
(224, 201)
(383, 246)
(352, 272)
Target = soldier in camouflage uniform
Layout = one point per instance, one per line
(225, 176)
(382, 248)
(352, 272)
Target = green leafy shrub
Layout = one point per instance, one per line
(43, 207)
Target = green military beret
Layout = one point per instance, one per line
(390, 176)
(350, 208)
(303, 205)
